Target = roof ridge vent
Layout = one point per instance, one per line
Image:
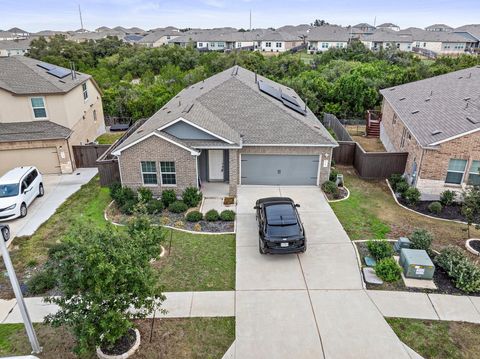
(466, 98)
(427, 99)
(472, 120)
(402, 98)
(414, 112)
(436, 132)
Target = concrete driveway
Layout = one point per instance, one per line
(57, 189)
(310, 305)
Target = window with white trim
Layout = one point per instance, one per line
(268, 44)
(456, 171)
(474, 174)
(38, 106)
(85, 91)
(278, 44)
(324, 45)
(149, 173)
(168, 173)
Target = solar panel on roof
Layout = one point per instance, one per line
(269, 90)
(46, 66)
(289, 99)
(295, 107)
(59, 72)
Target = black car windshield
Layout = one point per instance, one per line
(280, 215)
(8, 190)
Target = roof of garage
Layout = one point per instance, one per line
(32, 131)
(232, 107)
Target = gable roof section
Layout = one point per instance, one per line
(440, 108)
(21, 75)
(32, 131)
(328, 33)
(230, 106)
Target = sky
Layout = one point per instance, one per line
(36, 15)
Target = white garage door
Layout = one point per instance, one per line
(45, 159)
(279, 169)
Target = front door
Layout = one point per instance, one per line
(215, 165)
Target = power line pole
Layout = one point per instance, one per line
(81, 20)
(250, 19)
(5, 236)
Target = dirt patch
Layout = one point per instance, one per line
(369, 144)
(475, 244)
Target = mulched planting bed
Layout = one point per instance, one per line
(123, 345)
(177, 220)
(343, 194)
(475, 245)
(440, 278)
(453, 212)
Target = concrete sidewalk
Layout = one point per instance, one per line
(427, 306)
(178, 305)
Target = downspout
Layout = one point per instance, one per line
(419, 167)
(74, 165)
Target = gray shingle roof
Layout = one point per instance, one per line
(22, 76)
(231, 106)
(387, 35)
(443, 103)
(472, 29)
(15, 44)
(157, 35)
(32, 131)
(328, 33)
(432, 36)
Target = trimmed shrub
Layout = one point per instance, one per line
(191, 196)
(144, 194)
(177, 207)
(212, 215)
(128, 206)
(154, 206)
(447, 198)
(227, 215)
(330, 187)
(114, 188)
(412, 196)
(435, 207)
(395, 179)
(402, 188)
(194, 216)
(168, 197)
(124, 197)
(333, 175)
(388, 270)
(421, 239)
(464, 273)
(380, 249)
(41, 282)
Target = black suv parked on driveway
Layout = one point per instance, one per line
(279, 226)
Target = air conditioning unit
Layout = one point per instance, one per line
(416, 263)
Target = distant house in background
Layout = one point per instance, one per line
(44, 110)
(19, 33)
(384, 38)
(437, 121)
(276, 41)
(439, 28)
(159, 38)
(440, 42)
(5, 35)
(363, 28)
(389, 26)
(47, 34)
(322, 38)
(472, 33)
(14, 47)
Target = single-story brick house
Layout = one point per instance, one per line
(437, 121)
(235, 127)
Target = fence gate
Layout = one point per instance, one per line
(86, 156)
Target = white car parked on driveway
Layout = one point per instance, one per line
(18, 188)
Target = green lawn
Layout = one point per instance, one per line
(198, 262)
(371, 212)
(437, 339)
(172, 339)
(109, 138)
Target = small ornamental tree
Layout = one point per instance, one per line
(106, 281)
(471, 207)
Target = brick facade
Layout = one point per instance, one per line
(432, 162)
(157, 149)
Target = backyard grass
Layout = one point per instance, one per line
(198, 262)
(437, 339)
(371, 212)
(172, 338)
(109, 138)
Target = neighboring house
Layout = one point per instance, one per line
(384, 38)
(5, 35)
(19, 33)
(440, 42)
(44, 110)
(437, 121)
(95, 36)
(219, 41)
(14, 47)
(439, 28)
(276, 41)
(159, 38)
(389, 26)
(47, 34)
(325, 37)
(363, 28)
(235, 127)
(472, 33)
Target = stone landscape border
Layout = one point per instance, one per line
(470, 248)
(126, 355)
(341, 199)
(171, 227)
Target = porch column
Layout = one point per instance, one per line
(233, 172)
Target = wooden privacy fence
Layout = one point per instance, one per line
(86, 156)
(369, 165)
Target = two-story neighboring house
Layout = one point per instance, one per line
(437, 121)
(159, 38)
(44, 110)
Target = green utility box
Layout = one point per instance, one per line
(416, 263)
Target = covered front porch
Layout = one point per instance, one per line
(214, 172)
